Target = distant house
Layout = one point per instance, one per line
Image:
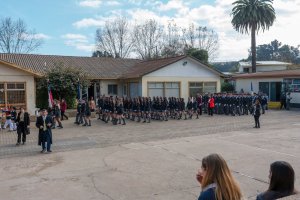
(263, 66)
(180, 76)
(272, 78)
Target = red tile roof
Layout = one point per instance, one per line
(146, 67)
(270, 74)
(95, 67)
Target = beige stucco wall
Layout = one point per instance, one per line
(183, 71)
(104, 86)
(10, 74)
(245, 84)
(184, 83)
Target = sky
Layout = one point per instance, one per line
(68, 26)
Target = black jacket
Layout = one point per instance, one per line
(39, 123)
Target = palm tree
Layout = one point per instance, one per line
(252, 15)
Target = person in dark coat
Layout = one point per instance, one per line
(23, 124)
(256, 113)
(44, 124)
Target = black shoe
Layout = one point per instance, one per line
(49, 151)
(23, 143)
(43, 151)
(18, 144)
(255, 127)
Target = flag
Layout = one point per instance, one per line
(251, 87)
(50, 97)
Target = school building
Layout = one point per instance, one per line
(180, 76)
(272, 78)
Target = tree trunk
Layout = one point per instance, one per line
(253, 48)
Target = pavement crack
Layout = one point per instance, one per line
(97, 189)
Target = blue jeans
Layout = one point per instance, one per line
(48, 142)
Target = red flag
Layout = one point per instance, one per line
(50, 98)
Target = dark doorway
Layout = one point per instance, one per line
(91, 91)
(264, 87)
(275, 91)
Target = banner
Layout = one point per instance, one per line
(50, 97)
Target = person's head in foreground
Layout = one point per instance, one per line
(282, 179)
(216, 180)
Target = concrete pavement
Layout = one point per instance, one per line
(147, 161)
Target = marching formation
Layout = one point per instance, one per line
(144, 109)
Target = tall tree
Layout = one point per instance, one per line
(172, 41)
(200, 54)
(147, 39)
(201, 38)
(252, 16)
(278, 52)
(15, 37)
(115, 38)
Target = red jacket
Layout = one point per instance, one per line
(211, 102)
(63, 106)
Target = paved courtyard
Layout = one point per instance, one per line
(146, 161)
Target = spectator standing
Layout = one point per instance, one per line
(57, 114)
(92, 104)
(288, 100)
(216, 180)
(282, 180)
(63, 108)
(44, 124)
(211, 105)
(23, 125)
(283, 100)
(256, 113)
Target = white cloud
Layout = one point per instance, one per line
(89, 22)
(41, 36)
(170, 5)
(113, 3)
(90, 3)
(78, 41)
(233, 45)
(72, 36)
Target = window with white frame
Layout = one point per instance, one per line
(164, 89)
(112, 89)
(12, 94)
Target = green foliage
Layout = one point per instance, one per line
(200, 54)
(278, 52)
(101, 54)
(248, 14)
(226, 66)
(227, 87)
(63, 82)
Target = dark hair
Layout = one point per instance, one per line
(282, 177)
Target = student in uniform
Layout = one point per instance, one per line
(216, 180)
(87, 116)
(8, 121)
(282, 180)
(120, 112)
(211, 105)
(189, 109)
(256, 113)
(23, 125)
